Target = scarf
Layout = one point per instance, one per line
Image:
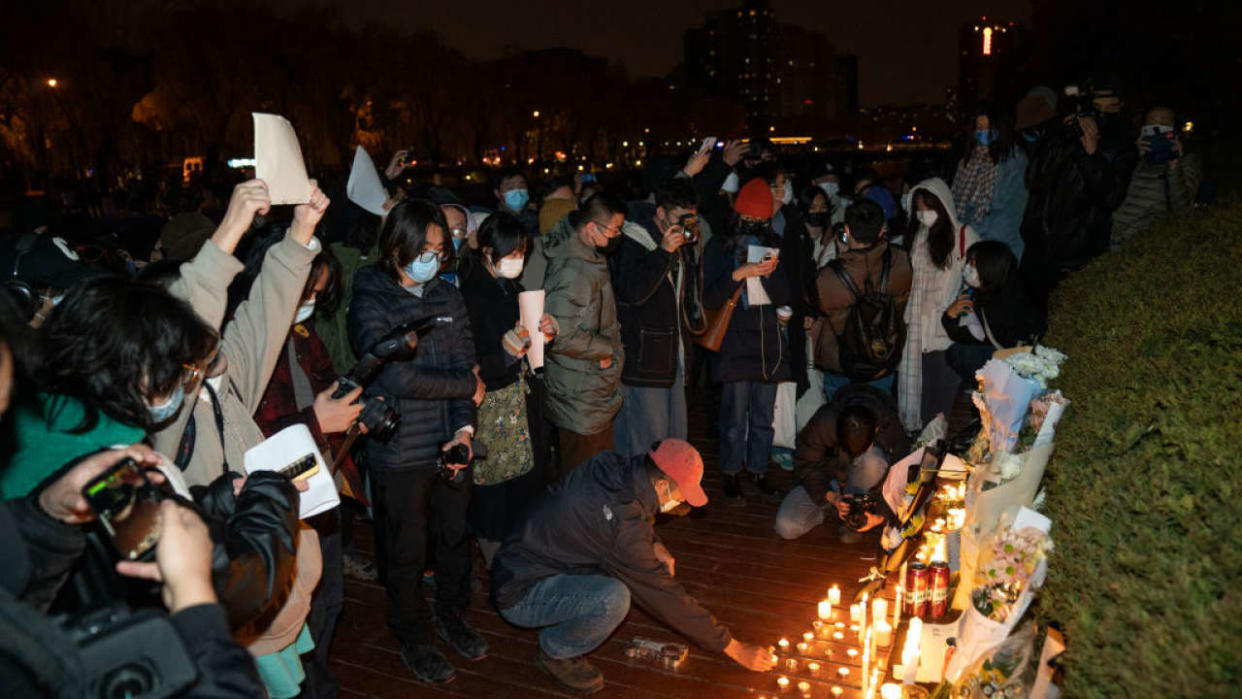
(973, 185)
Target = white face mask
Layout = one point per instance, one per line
(305, 311)
(787, 195)
(510, 267)
(830, 188)
(731, 184)
(970, 275)
(928, 218)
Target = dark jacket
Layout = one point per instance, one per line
(434, 390)
(1071, 199)
(835, 301)
(798, 258)
(1012, 314)
(38, 657)
(493, 308)
(816, 457)
(599, 520)
(755, 348)
(644, 278)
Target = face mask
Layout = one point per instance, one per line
(927, 218)
(517, 199)
(609, 247)
(985, 137)
(787, 195)
(457, 243)
(165, 410)
(667, 503)
(819, 219)
(755, 228)
(510, 267)
(305, 311)
(970, 275)
(731, 184)
(830, 188)
(423, 272)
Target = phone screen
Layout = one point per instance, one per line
(707, 144)
(127, 505)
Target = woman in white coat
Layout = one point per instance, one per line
(926, 384)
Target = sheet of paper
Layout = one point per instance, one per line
(278, 160)
(530, 309)
(756, 295)
(286, 447)
(364, 187)
(895, 483)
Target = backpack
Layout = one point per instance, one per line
(869, 345)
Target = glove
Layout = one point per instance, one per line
(516, 341)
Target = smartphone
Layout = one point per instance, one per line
(301, 469)
(588, 177)
(707, 144)
(127, 506)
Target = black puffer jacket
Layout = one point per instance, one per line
(434, 389)
(755, 347)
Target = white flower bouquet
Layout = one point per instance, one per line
(1042, 364)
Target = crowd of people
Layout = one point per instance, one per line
(860, 304)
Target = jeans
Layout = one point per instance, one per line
(326, 603)
(746, 414)
(835, 382)
(798, 515)
(411, 509)
(648, 415)
(576, 612)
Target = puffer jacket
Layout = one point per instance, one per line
(434, 390)
(755, 347)
(583, 396)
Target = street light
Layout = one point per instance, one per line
(535, 114)
(52, 82)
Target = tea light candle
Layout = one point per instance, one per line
(783, 643)
(813, 668)
(883, 633)
(879, 609)
(890, 690)
(804, 687)
(791, 665)
(837, 691)
(802, 648)
(825, 609)
(840, 625)
(897, 609)
(856, 612)
(808, 637)
(782, 682)
(852, 652)
(838, 636)
(843, 672)
(834, 596)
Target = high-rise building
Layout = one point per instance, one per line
(988, 49)
(780, 73)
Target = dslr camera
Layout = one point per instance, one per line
(690, 228)
(859, 506)
(1079, 98)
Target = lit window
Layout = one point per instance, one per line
(987, 41)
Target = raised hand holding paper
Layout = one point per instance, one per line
(364, 187)
(278, 160)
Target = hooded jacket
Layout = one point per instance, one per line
(599, 520)
(583, 396)
(434, 391)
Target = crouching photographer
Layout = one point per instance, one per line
(840, 462)
(110, 649)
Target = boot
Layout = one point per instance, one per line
(427, 663)
(574, 673)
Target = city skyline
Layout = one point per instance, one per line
(907, 52)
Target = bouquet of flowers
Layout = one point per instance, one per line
(1041, 364)
(1006, 568)
(1007, 670)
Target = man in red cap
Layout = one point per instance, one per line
(588, 546)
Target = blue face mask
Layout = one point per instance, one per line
(985, 137)
(160, 413)
(421, 271)
(517, 199)
(1030, 136)
(457, 243)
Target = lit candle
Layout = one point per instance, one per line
(843, 672)
(879, 609)
(791, 665)
(890, 691)
(852, 652)
(838, 636)
(804, 687)
(813, 667)
(783, 643)
(817, 625)
(856, 613)
(834, 596)
(837, 691)
(883, 633)
(802, 648)
(808, 637)
(782, 682)
(840, 625)
(897, 609)
(825, 609)
(866, 663)
(910, 656)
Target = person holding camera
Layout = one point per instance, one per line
(1165, 180)
(656, 277)
(421, 477)
(843, 452)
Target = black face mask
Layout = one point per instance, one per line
(609, 247)
(758, 229)
(819, 219)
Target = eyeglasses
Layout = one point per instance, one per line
(431, 256)
(193, 373)
(615, 230)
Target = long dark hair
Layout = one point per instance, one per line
(1000, 121)
(504, 234)
(940, 236)
(109, 338)
(328, 300)
(405, 232)
(996, 264)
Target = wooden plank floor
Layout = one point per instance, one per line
(728, 557)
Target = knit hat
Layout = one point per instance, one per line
(755, 200)
(1032, 111)
(184, 235)
(682, 462)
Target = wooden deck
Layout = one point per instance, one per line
(728, 557)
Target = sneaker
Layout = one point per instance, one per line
(427, 663)
(574, 673)
(359, 568)
(454, 631)
(783, 458)
(733, 486)
(764, 486)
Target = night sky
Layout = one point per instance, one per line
(907, 49)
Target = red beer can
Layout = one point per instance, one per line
(918, 588)
(939, 599)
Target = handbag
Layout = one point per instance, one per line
(716, 322)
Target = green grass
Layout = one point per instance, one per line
(1145, 487)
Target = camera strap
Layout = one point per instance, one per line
(219, 415)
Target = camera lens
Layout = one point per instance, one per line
(127, 681)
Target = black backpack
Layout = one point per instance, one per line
(870, 344)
